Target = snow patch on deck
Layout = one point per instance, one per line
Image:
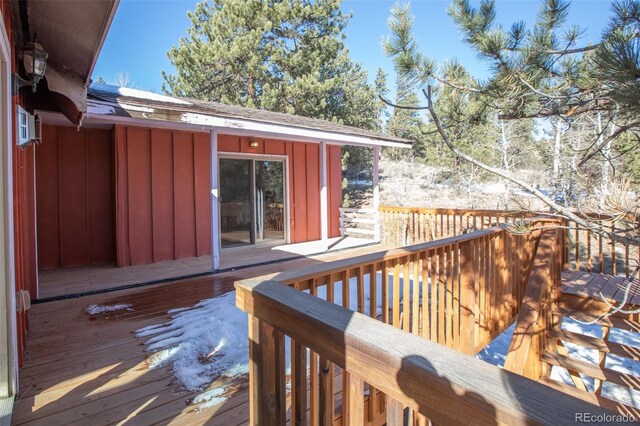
(103, 309)
(210, 340)
(496, 353)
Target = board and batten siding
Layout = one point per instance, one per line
(75, 197)
(162, 180)
(162, 195)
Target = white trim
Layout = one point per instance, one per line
(376, 191)
(215, 201)
(35, 220)
(103, 37)
(238, 127)
(376, 178)
(6, 199)
(324, 203)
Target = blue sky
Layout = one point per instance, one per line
(144, 30)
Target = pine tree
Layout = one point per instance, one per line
(286, 56)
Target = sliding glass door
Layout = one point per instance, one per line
(252, 201)
(269, 196)
(236, 216)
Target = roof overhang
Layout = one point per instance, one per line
(73, 33)
(102, 112)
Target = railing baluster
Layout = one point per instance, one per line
(267, 374)
(385, 293)
(456, 295)
(614, 269)
(325, 403)
(406, 294)
(415, 295)
(449, 296)
(396, 294)
(299, 383)
(433, 296)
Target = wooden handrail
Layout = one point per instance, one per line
(313, 271)
(445, 385)
(466, 212)
(584, 250)
(536, 318)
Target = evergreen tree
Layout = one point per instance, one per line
(286, 56)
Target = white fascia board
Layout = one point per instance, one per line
(231, 126)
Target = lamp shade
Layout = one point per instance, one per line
(34, 58)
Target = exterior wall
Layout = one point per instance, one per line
(75, 206)
(304, 181)
(163, 206)
(163, 199)
(24, 226)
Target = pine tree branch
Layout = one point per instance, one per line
(409, 107)
(606, 140)
(562, 210)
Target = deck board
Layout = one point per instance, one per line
(593, 284)
(92, 370)
(60, 282)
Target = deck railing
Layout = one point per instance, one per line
(591, 253)
(434, 382)
(584, 249)
(460, 292)
(536, 317)
(411, 225)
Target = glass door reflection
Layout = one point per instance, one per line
(269, 200)
(236, 218)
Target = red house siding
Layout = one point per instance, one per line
(23, 203)
(75, 206)
(162, 195)
(137, 195)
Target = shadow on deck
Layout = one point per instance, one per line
(91, 369)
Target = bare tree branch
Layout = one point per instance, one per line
(606, 140)
(564, 211)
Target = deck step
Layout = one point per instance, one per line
(358, 220)
(592, 370)
(579, 339)
(604, 346)
(625, 324)
(607, 404)
(582, 316)
(359, 231)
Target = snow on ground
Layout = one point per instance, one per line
(210, 340)
(103, 309)
(496, 352)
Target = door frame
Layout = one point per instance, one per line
(258, 157)
(8, 335)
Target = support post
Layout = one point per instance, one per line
(376, 191)
(215, 202)
(324, 203)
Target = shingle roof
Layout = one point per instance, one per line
(122, 101)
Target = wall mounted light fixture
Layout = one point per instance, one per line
(253, 143)
(34, 58)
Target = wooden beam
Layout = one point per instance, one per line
(445, 385)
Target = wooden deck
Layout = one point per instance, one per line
(91, 370)
(591, 285)
(69, 281)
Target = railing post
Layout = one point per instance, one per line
(267, 403)
(467, 298)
